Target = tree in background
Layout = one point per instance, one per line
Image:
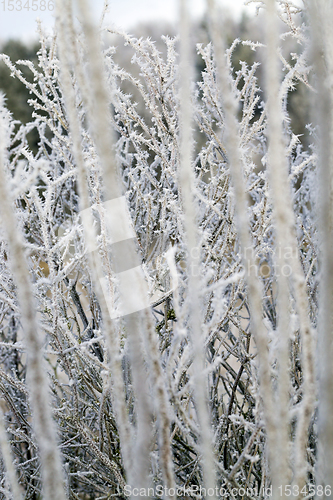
(17, 94)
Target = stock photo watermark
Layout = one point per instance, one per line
(276, 265)
(118, 223)
(120, 229)
(196, 491)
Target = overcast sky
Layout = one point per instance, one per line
(122, 14)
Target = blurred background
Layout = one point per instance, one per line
(19, 40)
(126, 14)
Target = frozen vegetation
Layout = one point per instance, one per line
(166, 277)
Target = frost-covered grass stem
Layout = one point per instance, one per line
(67, 37)
(7, 458)
(37, 376)
(232, 146)
(320, 16)
(187, 188)
(139, 325)
(277, 167)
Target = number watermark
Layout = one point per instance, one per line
(27, 5)
(310, 490)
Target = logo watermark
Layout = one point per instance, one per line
(134, 291)
(273, 265)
